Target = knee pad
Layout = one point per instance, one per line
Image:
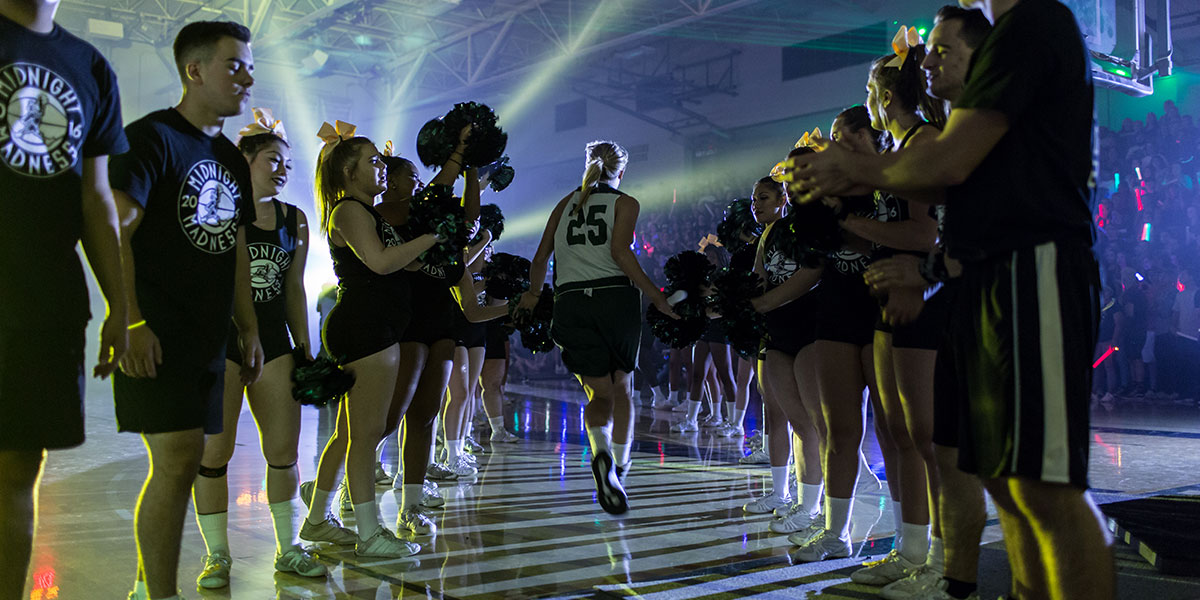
(214, 472)
(281, 467)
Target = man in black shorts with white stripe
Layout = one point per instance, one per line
(183, 193)
(1015, 167)
(62, 118)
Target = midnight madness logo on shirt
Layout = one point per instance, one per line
(208, 207)
(268, 263)
(41, 131)
(778, 266)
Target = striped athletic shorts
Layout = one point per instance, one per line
(1022, 334)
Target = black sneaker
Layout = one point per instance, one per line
(608, 487)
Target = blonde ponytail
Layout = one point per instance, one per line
(605, 160)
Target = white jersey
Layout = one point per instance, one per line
(583, 240)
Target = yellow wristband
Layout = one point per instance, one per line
(138, 324)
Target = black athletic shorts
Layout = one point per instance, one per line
(793, 326)
(846, 311)
(363, 322)
(1023, 338)
(714, 332)
(41, 388)
(275, 343)
(435, 315)
(496, 340)
(598, 328)
(468, 334)
(186, 392)
(947, 403)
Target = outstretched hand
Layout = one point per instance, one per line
(826, 172)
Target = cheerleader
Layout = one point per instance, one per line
(597, 308)
(741, 259)
(494, 374)
(363, 332)
(789, 388)
(278, 245)
(710, 360)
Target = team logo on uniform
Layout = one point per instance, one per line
(268, 263)
(779, 267)
(41, 131)
(435, 271)
(208, 207)
(388, 234)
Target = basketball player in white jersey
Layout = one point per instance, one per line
(597, 308)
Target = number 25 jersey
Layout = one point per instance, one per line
(583, 240)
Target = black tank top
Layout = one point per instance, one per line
(779, 266)
(890, 208)
(350, 270)
(271, 254)
(742, 257)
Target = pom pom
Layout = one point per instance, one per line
(744, 326)
(676, 333)
(436, 210)
(507, 275)
(688, 271)
(434, 144)
(500, 174)
(438, 137)
(534, 325)
(738, 220)
(318, 382)
(491, 218)
(813, 227)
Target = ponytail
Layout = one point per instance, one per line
(605, 161)
(330, 180)
(907, 84)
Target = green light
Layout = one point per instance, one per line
(895, 22)
(921, 31)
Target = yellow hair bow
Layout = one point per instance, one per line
(779, 171)
(339, 131)
(264, 122)
(389, 150)
(809, 139)
(709, 240)
(905, 39)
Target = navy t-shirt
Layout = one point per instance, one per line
(1037, 184)
(196, 192)
(60, 105)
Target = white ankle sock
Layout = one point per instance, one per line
(283, 515)
(810, 497)
(410, 495)
(497, 424)
(693, 411)
(453, 449)
(898, 522)
(379, 450)
(914, 542)
(600, 438)
(620, 454)
(320, 505)
(739, 415)
(837, 515)
(367, 517)
(214, 528)
(937, 555)
(673, 397)
(779, 481)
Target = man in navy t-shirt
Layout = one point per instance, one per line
(1015, 168)
(183, 193)
(62, 117)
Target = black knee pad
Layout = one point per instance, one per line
(281, 468)
(214, 472)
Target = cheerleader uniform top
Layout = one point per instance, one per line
(354, 276)
(889, 208)
(790, 327)
(583, 242)
(271, 254)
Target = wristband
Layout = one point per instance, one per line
(133, 326)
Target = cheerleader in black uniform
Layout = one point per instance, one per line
(427, 347)
(597, 308)
(710, 357)
(494, 374)
(741, 259)
(904, 355)
(791, 283)
(470, 339)
(278, 245)
(363, 332)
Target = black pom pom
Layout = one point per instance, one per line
(813, 226)
(507, 275)
(491, 218)
(689, 271)
(318, 382)
(677, 333)
(744, 326)
(535, 325)
(500, 174)
(738, 220)
(435, 144)
(436, 210)
(487, 142)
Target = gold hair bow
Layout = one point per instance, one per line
(709, 240)
(809, 140)
(264, 122)
(332, 134)
(389, 150)
(905, 39)
(780, 169)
